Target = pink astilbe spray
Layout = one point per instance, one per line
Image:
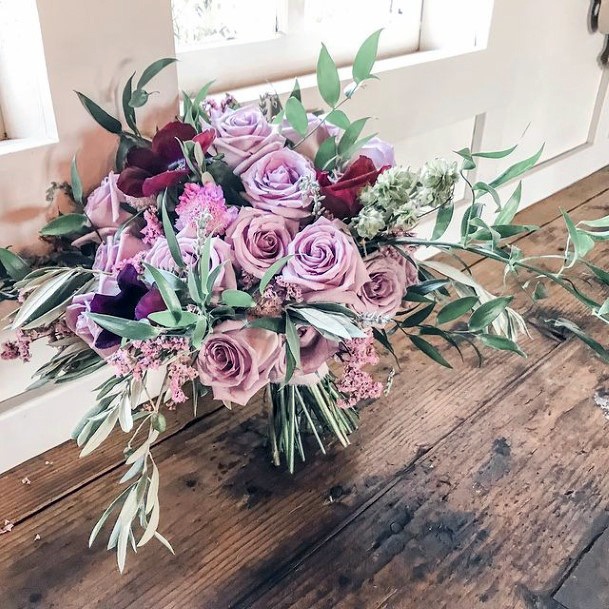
(356, 383)
(142, 355)
(207, 202)
(153, 229)
(180, 372)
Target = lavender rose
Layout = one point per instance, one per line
(319, 131)
(243, 136)
(236, 361)
(383, 294)
(315, 350)
(379, 151)
(103, 206)
(220, 254)
(78, 320)
(259, 239)
(114, 253)
(326, 264)
(274, 184)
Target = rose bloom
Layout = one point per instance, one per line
(236, 361)
(243, 136)
(341, 196)
(114, 252)
(384, 292)
(380, 152)
(319, 130)
(259, 239)
(273, 184)
(315, 350)
(103, 206)
(326, 263)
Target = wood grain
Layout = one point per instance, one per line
(240, 526)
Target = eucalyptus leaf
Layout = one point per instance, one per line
(515, 171)
(272, 271)
(128, 109)
(338, 118)
(429, 350)
(499, 154)
(443, 220)
(153, 69)
(139, 97)
(501, 343)
(77, 191)
(487, 312)
(582, 243)
(170, 298)
(126, 328)
(101, 117)
(174, 319)
(172, 241)
(237, 298)
(350, 136)
(68, 224)
(455, 309)
(507, 213)
(15, 266)
(292, 340)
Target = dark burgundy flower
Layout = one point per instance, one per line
(150, 170)
(205, 138)
(341, 197)
(134, 301)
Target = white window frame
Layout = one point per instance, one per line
(292, 52)
(454, 26)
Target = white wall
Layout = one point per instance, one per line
(539, 69)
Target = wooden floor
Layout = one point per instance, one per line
(472, 488)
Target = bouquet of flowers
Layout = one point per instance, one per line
(264, 248)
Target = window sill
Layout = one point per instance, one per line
(8, 147)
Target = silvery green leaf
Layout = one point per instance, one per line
(582, 242)
(104, 516)
(144, 448)
(134, 470)
(153, 69)
(507, 213)
(501, 343)
(153, 489)
(487, 312)
(443, 219)
(152, 525)
(125, 416)
(337, 326)
(126, 328)
(172, 241)
(68, 224)
(101, 433)
(164, 542)
(338, 118)
(297, 116)
(293, 340)
(517, 170)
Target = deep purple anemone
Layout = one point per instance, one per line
(148, 171)
(135, 301)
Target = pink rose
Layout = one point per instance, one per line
(78, 320)
(379, 151)
(315, 350)
(383, 294)
(114, 253)
(326, 263)
(274, 184)
(236, 361)
(159, 256)
(243, 136)
(259, 239)
(103, 206)
(319, 132)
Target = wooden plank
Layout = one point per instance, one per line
(587, 587)
(235, 520)
(489, 518)
(59, 472)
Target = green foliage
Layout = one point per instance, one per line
(273, 270)
(68, 224)
(328, 81)
(237, 299)
(325, 158)
(170, 235)
(429, 350)
(488, 312)
(15, 266)
(455, 309)
(297, 115)
(125, 328)
(100, 116)
(366, 57)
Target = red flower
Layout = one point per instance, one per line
(341, 197)
(150, 170)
